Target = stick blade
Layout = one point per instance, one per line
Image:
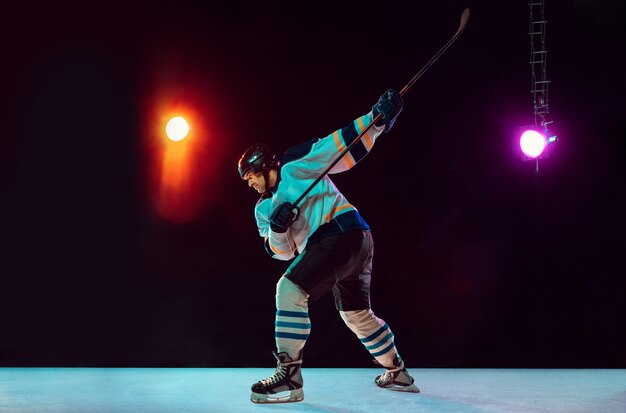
(464, 19)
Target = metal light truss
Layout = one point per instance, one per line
(538, 62)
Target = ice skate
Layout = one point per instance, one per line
(397, 378)
(284, 386)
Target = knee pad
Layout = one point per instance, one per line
(361, 322)
(288, 293)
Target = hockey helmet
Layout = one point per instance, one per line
(257, 158)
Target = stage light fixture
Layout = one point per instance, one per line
(177, 128)
(534, 142)
(535, 139)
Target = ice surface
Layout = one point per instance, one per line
(223, 390)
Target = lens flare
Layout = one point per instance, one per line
(177, 128)
(532, 143)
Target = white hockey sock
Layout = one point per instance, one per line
(293, 325)
(374, 333)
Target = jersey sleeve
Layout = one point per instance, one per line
(314, 156)
(278, 245)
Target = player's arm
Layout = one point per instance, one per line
(314, 156)
(280, 247)
(277, 243)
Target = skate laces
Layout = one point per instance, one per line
(278, 375)
(387, 377)
(390, 375)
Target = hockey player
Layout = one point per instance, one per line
(332, 246)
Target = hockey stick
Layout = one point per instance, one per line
(464, 19)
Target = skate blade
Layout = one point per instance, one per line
(290, 396)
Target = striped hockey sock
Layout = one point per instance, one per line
(292, 326)
(374, 333)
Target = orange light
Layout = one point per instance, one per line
(183, 157)
(176, 150)
(177, 128)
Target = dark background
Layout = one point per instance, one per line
(480, 262)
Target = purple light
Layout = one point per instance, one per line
(532, 143)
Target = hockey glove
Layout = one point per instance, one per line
(283, 216)
(389, 105)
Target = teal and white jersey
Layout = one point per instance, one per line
(325, 210)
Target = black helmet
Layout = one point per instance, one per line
(257, 158)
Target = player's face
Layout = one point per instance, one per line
(256, 181)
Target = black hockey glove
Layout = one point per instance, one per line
(389, 105)
(283, 216)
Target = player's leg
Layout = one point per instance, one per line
(310, 275)
(352, 299)
(292, 325)
(292, 328)
(375, 334)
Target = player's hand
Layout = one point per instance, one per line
(389, 105)
(283, 216)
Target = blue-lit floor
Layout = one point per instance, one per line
(88, 390)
